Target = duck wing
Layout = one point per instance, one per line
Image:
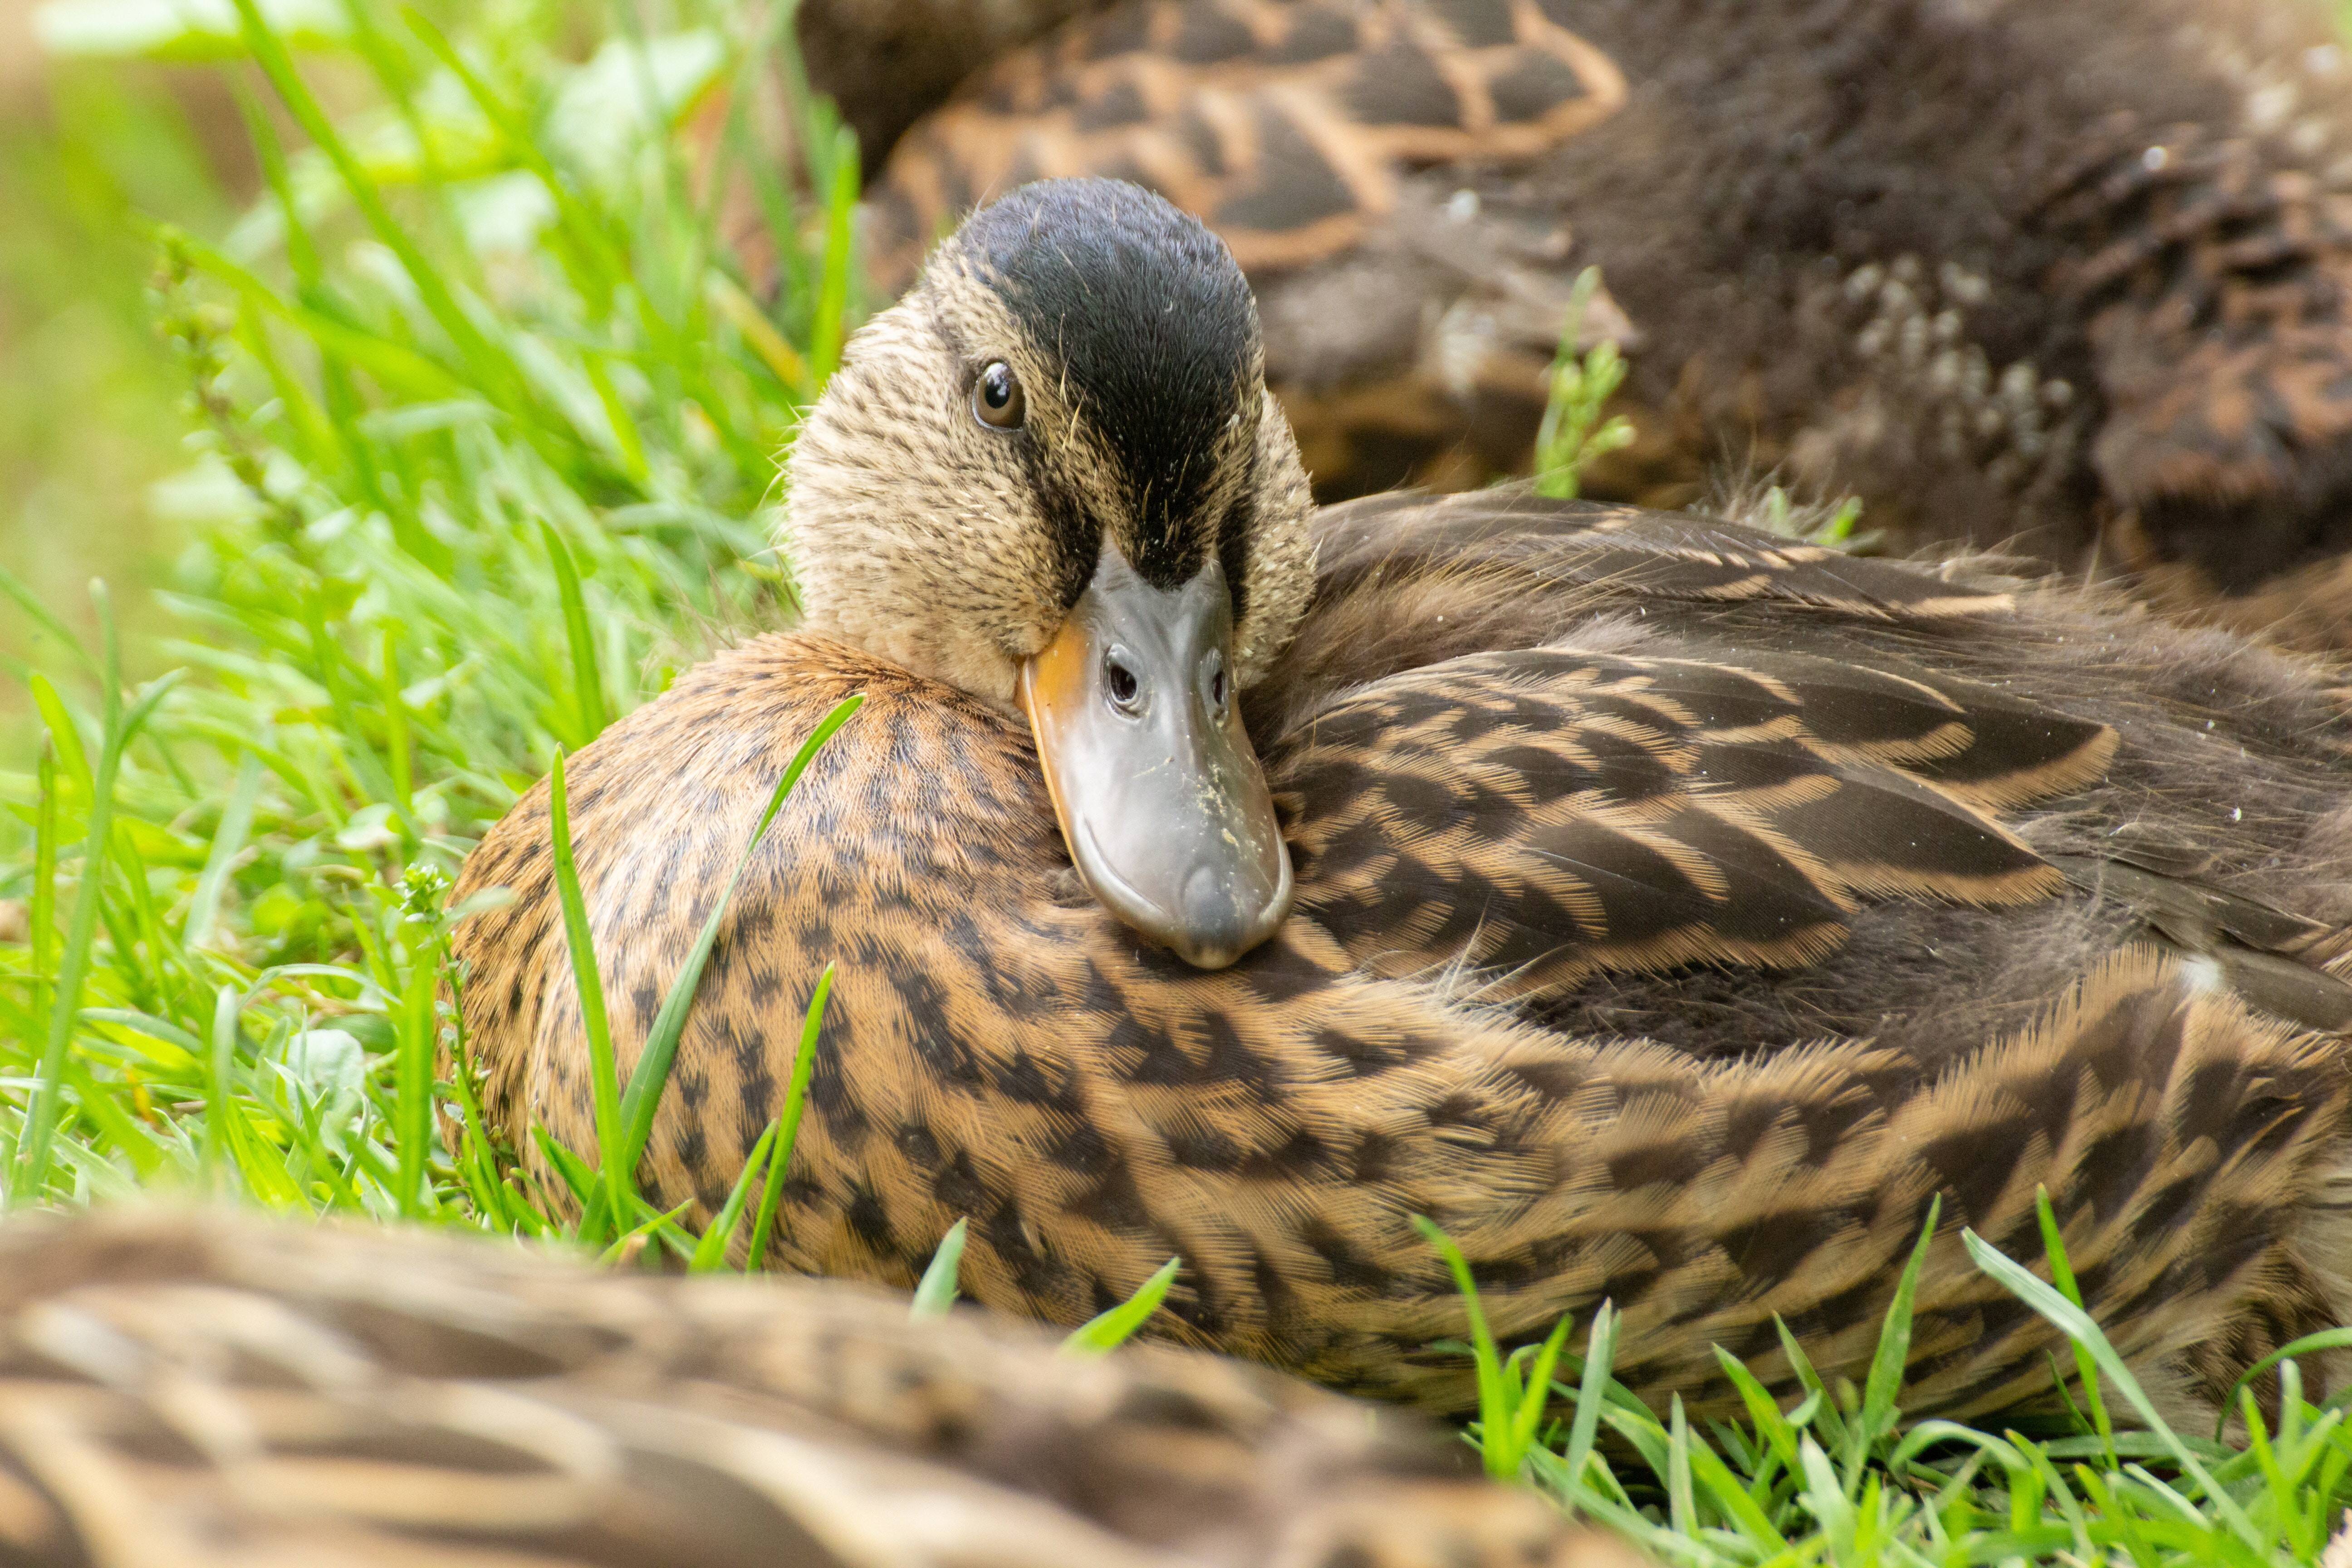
(1475, 724)
(1629, 552)
(201, 1388)
(1530, 815)
(1281, 125)
(1408, 579)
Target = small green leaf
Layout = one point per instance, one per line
(1106, 1331)
(795, 1100)
(937, 1292)
(710, 1251)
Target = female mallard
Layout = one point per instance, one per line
(2067, 273)
(1669, 911)
(201, 1390)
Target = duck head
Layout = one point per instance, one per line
(1052, 475)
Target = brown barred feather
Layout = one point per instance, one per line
(1665, 945)
(1282, 122)
(1541, 815)
(208, 1388)
(1654, 554)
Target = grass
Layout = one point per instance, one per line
(484, 417)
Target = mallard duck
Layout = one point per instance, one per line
(2073, 274)
(208, 1388)
(1670, 911)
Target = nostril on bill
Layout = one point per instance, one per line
(1212, 684)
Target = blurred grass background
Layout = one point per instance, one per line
(90, 398)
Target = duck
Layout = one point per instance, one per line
(2070, 279)
(1672, 914)
(207, 1387)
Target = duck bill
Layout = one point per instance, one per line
(1160, 798)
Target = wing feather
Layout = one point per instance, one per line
(1536, 815)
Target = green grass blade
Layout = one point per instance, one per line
(627, 1245)
(1494, 1402)
(228, 843)
(569, 1167)
(617, 1183)
(419, 1036)
(269, 53)
(33, 1148)
(651, 1074)
(1772, 1424)
(220, 1081)
(2078, 1326)
(395, 731)
(16, 590)
(1817, 1410)
(832, 322)
(587, 682)
(1535, 1396)
(2061, 1274)
(1823, 1496)
(796, 1101)
(1591, 1393)
(1734, 1500)
(41, 916)
(2309, 1344)
(937, 1293)
(1893, 1354)
(65, 737)
(710, 1251)
(1106, 1331)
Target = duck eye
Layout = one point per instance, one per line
(1119, 680)
(997, 398)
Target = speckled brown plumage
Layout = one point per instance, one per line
(1679, 911)
(203, 1389)
(2075, 275)
(999, 1051)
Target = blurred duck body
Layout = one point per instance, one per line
(212, 1390)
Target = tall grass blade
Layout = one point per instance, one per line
(1893, 1354)
(796, 1101)
(1591, 1393)
(16, 589)
(651, 1074)
(2078, 1326)
(832, 324)
(490, 369)
(33, 1147)
(710, 1251)
(2061, 1274)
(228, 843)
(41, 915)
(420, 1039)
(616, 1179)
(65, 737)
(587, 682)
